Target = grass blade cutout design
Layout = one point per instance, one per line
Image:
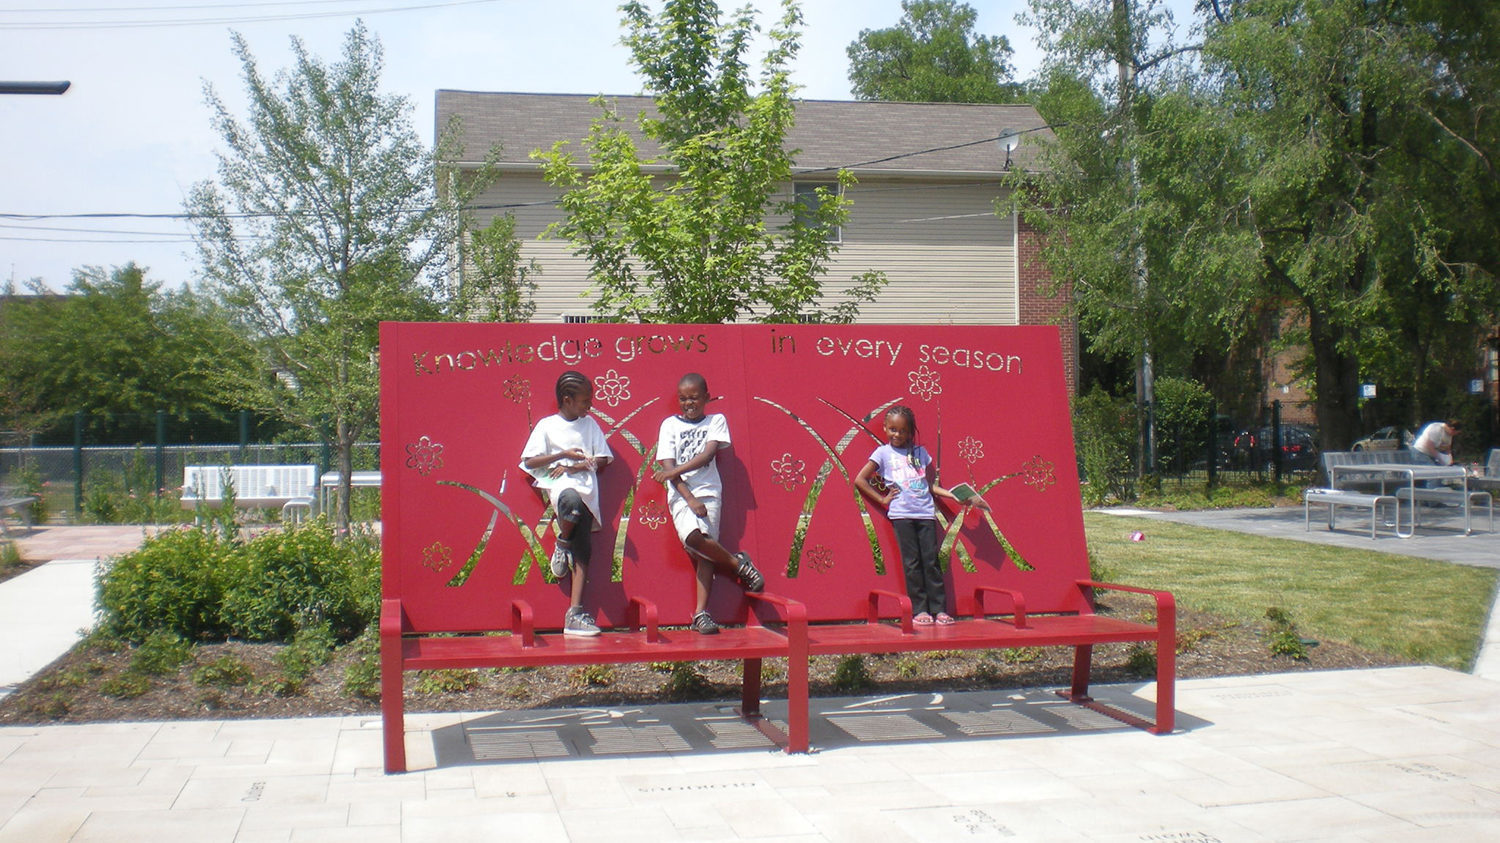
(534, 553)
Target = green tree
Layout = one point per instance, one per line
(932, 55)
(325, 220)
(1368, 132)
(703, 244)
(500, 285)
(116, 347)
(1118, 203)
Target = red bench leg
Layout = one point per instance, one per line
(392, 704)
(1083, 665)
(750, 689)
(1166, 672)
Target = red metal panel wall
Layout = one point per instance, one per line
(804, 405)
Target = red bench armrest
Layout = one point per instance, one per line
(903, 605)
(1017, 602)
(794, 612)
(642, 613)
(521, 622)
(1166, 604)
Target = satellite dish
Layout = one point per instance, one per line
(1009, 139)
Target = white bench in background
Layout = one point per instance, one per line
(294, 488)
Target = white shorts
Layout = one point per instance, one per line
(686, 521)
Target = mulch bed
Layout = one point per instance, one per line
(75, 688)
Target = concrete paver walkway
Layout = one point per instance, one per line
(1371, 755)
(1388, 754)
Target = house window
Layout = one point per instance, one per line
(572, 319)
(806, 194)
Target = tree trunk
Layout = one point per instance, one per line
(345, 441)
(1337, 381)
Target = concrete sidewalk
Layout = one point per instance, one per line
(1387, 754)
(1374, 755)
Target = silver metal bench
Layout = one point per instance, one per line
(1335, 498)
(1450, 497)
(291, 487)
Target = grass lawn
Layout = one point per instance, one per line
(1427, 611)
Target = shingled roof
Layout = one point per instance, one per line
(866, 137)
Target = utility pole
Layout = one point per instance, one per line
(1145, 378)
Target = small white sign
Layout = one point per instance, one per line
(1476, 386)
(1367, 390)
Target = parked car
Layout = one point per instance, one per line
(1299, 448)
(1384, 439)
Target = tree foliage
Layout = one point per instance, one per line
(116, 347)
(324, 220)
(1332, 159)
(500, 284)
(722, 236)
(932, 55)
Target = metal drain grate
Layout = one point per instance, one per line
(614, 740)
(1081, 718)
(884, 727)
(990, 723)
(735, 734)
(505, 745)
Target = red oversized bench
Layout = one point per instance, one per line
(466, 540)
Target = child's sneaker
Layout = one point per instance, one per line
(751, 578)
(579, 622)
(562, 558)
(704, 624)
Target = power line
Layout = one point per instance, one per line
(243, 19)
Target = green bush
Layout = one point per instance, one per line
(362, 676)
(125, 686)
(223, 672)
(686, 682)
(300, 575)
(447, 681)
(174, 583)
(852, 674)
(311, 647)
(198, 584)
(160, 654)
(1184, 409)
(1105, 430)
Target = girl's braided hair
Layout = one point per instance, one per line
(572, 382)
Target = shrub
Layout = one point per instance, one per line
(1284, 640)
(224, 672)
(160, 654)
(593, 676)
(1184, 409)
(447, 681)
(299, 575)
(174, 583)
(1105, 430)
(125, 686)
(908, 667)
(362, 676)
(1140, 660)
(685, 681)
(852, 674)
(311, 648)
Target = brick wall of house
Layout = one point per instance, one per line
(1037, 307)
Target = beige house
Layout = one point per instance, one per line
(923, 211)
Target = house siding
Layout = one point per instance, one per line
(948, 257)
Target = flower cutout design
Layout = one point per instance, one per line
(438, 557)
(517, 389)
(924, 383)
(820, 558)
(790, 472)
(654, 515)
(1038, 472)
(971, 450)
(612, 388)
(425, 455)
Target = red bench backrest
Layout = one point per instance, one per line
(805, 404)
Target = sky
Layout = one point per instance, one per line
(132, 134)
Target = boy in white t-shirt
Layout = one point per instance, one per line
(685, 449)
(564, 453)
